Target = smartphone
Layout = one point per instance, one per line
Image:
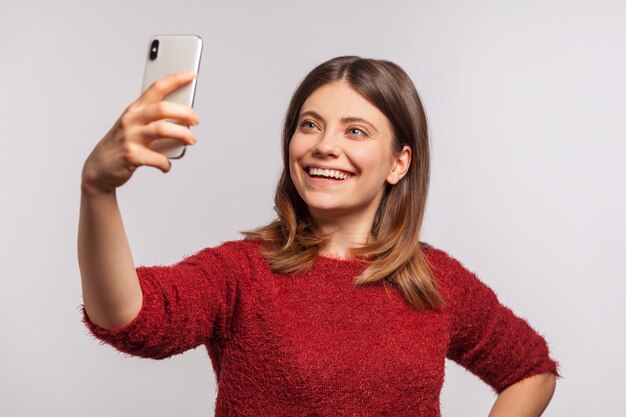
(168, 54)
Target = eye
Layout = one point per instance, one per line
(356, 131)
(307, 124)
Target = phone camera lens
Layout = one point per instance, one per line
(154, 49)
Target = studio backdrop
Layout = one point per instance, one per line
(526, 105)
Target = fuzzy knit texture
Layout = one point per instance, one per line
(314, 345)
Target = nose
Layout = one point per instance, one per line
(327, 145)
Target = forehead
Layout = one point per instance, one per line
(338, 99)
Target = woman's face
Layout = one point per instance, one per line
(340, 155)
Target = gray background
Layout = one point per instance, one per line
(525, 102)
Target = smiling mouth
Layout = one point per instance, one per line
(327, 174)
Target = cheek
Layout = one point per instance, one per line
(297, 148)
(368, 158)
(294, 155)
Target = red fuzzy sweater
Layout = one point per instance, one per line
(313, 345)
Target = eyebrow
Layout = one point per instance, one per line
(344, 120)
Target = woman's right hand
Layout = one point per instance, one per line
(126, 146)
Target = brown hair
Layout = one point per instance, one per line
(394, 253)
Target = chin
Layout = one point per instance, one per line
(327, 208)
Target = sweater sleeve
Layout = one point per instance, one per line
(487, 338)
(184, 305)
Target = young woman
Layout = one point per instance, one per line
(335, 308)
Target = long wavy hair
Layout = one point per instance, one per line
(394, 254)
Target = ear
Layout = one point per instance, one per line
(401, 164)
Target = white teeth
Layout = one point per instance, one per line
(328, 173)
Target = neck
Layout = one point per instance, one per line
(348, 230)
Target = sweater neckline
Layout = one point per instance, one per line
(334, 260)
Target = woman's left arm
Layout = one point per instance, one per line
(526, 398)
(489, 340)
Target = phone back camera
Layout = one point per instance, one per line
(154, 49)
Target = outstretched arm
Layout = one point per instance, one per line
(111, 290)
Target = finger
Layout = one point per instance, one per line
(163, 86)
(167, 130)
(148, 157)
(164, 110)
